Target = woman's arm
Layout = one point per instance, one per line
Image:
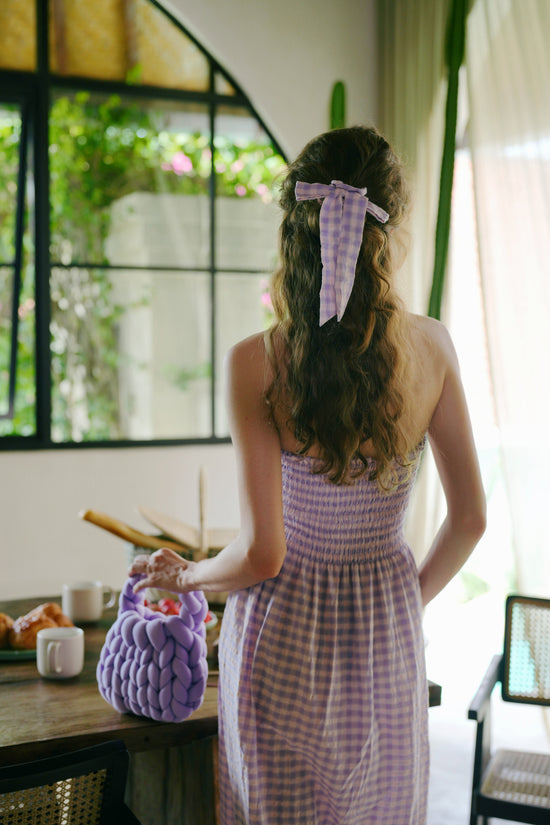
(453, 447)
(260, 547)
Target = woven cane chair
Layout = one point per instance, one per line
(85, 787)
(509, 784)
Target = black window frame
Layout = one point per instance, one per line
(33, 91)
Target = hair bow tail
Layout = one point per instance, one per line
(341, 223)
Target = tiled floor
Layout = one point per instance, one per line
(460, 644)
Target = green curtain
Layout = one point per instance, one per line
(454, 53)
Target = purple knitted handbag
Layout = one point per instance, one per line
(151, 664)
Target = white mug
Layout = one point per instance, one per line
(86, 601)
(60, 652)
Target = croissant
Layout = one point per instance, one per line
(22, 635)
(5, 623)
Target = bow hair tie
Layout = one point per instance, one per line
(341, 222)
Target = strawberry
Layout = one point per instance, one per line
(168, 607)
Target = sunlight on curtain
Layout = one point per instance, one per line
(508, 65)
(411, 114)
(491, 568)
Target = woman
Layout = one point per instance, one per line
(323, 693)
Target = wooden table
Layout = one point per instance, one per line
(171, 765)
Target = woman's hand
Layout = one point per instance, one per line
(164, 570)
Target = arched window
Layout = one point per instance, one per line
(137, 225)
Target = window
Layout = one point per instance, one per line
(138, 225)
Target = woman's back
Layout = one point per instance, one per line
(343, 522)
(429, 357)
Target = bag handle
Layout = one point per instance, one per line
(193, 609)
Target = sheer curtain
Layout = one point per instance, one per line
(507, 67)
(411, 114)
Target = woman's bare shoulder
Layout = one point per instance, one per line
(247, 353)
(430, 338)
(246, 365)
(430, 359)
(251, 346)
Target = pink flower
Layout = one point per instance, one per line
(181, 163)
(266, 301)
(25, 308)
(240, 190)
(262, 189)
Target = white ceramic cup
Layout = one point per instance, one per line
(86, 601)
(60, 652)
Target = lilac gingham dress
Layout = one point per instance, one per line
(323, 692)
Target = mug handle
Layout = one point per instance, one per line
(53, 653)
(109, 597)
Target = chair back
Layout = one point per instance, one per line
(526, 665)
(85, 787)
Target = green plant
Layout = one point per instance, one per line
(24, 414)
(338, 106)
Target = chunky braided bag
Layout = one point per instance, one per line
(155, 665)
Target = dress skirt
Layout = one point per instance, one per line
(323, 690)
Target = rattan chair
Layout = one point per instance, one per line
(85, 787)
(509, 784)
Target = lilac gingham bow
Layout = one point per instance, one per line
(341, 223)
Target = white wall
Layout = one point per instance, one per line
(286, 55)
(44, 542)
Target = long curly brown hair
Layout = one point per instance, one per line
(341, 384)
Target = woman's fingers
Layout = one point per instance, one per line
(139, 565)
(141, 585)
(161, 568)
